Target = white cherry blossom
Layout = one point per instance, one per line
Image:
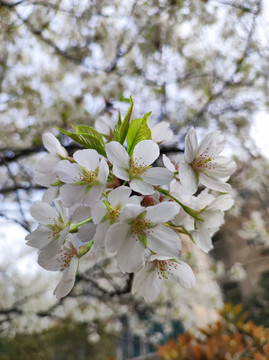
(202, 163)
(211, 210)
(66, 259)
(141, 229)
(136, 168)
(106, 212)
(45, 174)
(162, 134)
(148, 281)
(54, 224)
(84, 180)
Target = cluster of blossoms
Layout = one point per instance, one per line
(110, 196)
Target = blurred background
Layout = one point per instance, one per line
(201, 63)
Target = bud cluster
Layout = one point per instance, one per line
(110, 196)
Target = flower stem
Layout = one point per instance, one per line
(195, 214)
(74, 227)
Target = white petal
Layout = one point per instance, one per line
(93, 194)
(121, 172)
(38, 238)
(212, 218)
(162, 212)
(146, 152)
(223, 202)
(53, 145)
(87, 158)
(100, 234)
(43, 212)
(103, 171)
(72, 194)
(80, 213)
(63, 234)
(130, 255)
(117, 154)
(161, 133)
(141, 187)
(147, 283)
(119, 195)
(68, 279)
(222, 167)
(45, 179)
(68, 172)
(86, 232)
(182, 274)
(47, 253)
(131, 211)
(115, 237)
(168, 163)
(47, 163)
(191, 145)
(188, 177)
(158, 176)
(203, 239)
(213, 143)
(164, 241)
(98, 211)
(50, 194)
(214, 184)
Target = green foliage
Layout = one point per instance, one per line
(138, 131)
(87, 137)
(65, 340)
(121, 128)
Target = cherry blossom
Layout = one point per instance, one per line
(211, 210)
(141, 229)
(106, 212)
(66, 259)
(84, 180)
(45, 174)
(202, 163)
(136, 168)
(148, 281)
(54, 224)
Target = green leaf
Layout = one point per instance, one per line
(138, 131)
(87, 140)
(117, 128)
(85, 129)
(122, 127)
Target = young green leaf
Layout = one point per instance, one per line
(123, 126)
(117, 128)
(138, 131)
(87, 140)
(85, 129)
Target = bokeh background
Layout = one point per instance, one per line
(201, 63)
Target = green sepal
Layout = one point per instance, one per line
(138, 131)
(143, 238)
(89, 139)
(84, 249)
(121, 128)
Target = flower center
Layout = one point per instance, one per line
(55, 228)
(65, 255)
(203, 162)
(139, 225)
(164, 268)
(136, 169)
(113, 214)
(87, 177)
